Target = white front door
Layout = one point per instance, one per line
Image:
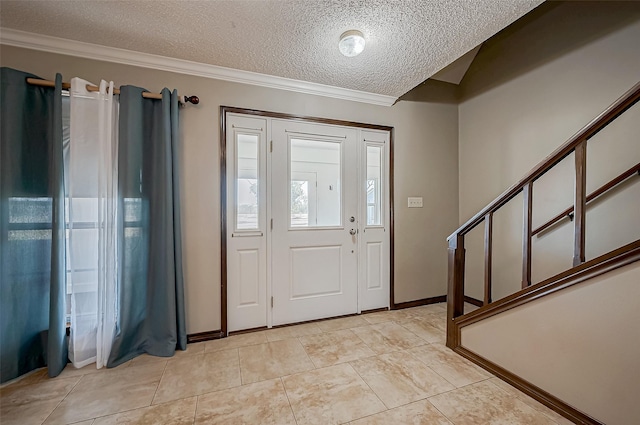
(314, 209)
(307, 220)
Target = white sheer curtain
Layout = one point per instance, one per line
(92, 195)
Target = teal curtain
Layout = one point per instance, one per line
(151, 315)
(32, 227)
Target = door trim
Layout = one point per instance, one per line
(223, 192)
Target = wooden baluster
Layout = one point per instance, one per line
(455, 292)
(488, 246)
(579, 204)
(527, 192)
(635, 170)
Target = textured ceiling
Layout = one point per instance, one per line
(407, 40)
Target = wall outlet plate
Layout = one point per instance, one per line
(414, 202)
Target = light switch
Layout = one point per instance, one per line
(415, 202)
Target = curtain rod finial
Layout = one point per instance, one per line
(192, 99)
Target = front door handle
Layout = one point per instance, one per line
(352, 232)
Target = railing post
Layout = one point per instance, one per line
(527, 192)
(488, 247)
(455, 292)
(579, 204)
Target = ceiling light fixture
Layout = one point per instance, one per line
(351, 43)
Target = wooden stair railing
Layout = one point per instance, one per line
(596, 193)
(576, 144)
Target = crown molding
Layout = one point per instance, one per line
(27, 40)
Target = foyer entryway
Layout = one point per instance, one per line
(307, 229)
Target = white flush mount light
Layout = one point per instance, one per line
(351, 43)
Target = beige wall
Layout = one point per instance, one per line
(527, 93)
(425, 165)
(581, 344)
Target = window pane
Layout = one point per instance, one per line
(29, 220)
(374, 193)
(30, 210)
(247, 182)
(315, 183)
(299, 203)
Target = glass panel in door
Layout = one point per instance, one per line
(373, 185)
(315, 183)
(247, 182)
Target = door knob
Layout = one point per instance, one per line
(352, 232)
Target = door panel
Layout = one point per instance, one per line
(315, 271)
(248, 277)
(314, 262)
(246, 222)
(374, 261)
(374, 272)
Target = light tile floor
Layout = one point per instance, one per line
(378, 368)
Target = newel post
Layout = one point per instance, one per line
(455, 291)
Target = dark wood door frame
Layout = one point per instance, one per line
(223, 192)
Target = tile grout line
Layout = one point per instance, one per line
(372, 390)
(306, 354)
(440, 411)
(362, 340)
(455, 389)
(410, 331)
(289, 400)
(428, 367)
(434, 371)
(494, 385)
(195, 412)
(242, 383)
(517, 396)
(134, 408)
(315, 366)
(214, 390)
(95, 418)
(429, 324)
(239, 371)
(63, 398)
(164, 370)
(456, 356)
(366, 345)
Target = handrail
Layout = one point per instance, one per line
(601, 190)
(625, 102)
(578, 144)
